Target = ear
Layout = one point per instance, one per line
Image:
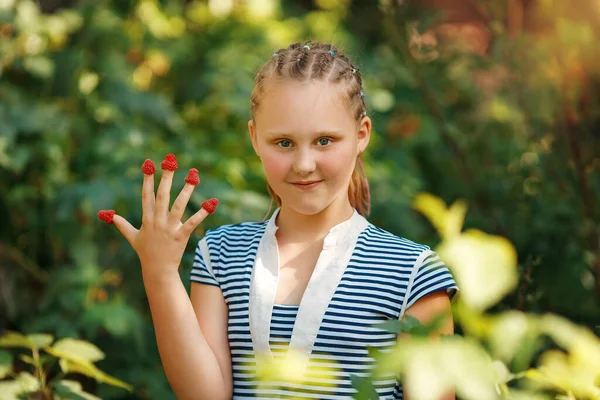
(252, 132)
(364, 134)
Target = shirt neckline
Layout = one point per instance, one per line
(335, 235)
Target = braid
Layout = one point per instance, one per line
(313, 61)
(298, 70)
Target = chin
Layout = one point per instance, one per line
(310, 207)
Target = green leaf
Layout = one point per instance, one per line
(10, 390)
(364, 388)
(75, 350)
(28, 359)
(432, 368)
(88, 369)
(40, 66)
(120, 319)
(33, 341)
(15, 339)
(62, 391)
(407, 324)
(71, 390)
(447, 221)
(5, 363)
(412, 325)
(23, 384)
(508, 333)
(484, 266)
(41, 339)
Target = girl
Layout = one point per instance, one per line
(313, 279)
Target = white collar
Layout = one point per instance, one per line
(340, 232)
(338, 247)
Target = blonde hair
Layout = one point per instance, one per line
(318, 61)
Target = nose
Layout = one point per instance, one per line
(304, 162)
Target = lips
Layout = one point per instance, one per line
(306, 185)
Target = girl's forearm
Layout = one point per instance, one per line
(190, 364)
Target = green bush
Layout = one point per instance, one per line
(87, 93)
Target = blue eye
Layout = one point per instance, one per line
(284, 143)
(324, 141)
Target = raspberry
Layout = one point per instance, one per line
(106, 215)
(148, 168)
(192, 177)
(169, 163)
(210, 205)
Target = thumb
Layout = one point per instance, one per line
(126, 229)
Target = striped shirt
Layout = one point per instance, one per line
(380, 276)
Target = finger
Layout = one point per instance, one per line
(208, 207)
(163, 194)
(192, 179)
(148, 199)
(180, 203)
(126, 229)
(188, 227)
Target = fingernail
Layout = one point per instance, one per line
(148, 167)
(210, 205)
(192, 177)
(169, 163)
(106, 215)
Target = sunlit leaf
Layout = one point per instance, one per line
(291, 369)
(24, 383)
(261, 10)
(88, 369)
(28, 359)
(69, 387)
(432, 368)
(40, 339)
(28, 16)
(581, 343)
(75, 350)
(515, 394)
(484, 266)
(88, 82)
(447, 221)
(568, 374)
(15, 339)
(40, 66)
(508, 332)
(502, 371)
(10, 390)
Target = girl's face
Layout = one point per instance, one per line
(309, 142)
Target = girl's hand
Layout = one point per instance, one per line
(162, 238)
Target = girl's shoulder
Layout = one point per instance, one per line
(378, 237)
(371, 238)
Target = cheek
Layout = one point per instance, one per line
(275, 165)
(338, 165)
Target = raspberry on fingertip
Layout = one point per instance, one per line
(148, 167)
(210, 205)
(192, 177)
(169, 163)
(106, 216)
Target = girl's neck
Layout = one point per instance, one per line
(297, 227)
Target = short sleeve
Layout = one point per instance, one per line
(202, 271)
(430, 275)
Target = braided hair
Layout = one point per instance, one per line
(315, 61)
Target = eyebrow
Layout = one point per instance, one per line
(317, 133)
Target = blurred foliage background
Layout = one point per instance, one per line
(496, 103)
